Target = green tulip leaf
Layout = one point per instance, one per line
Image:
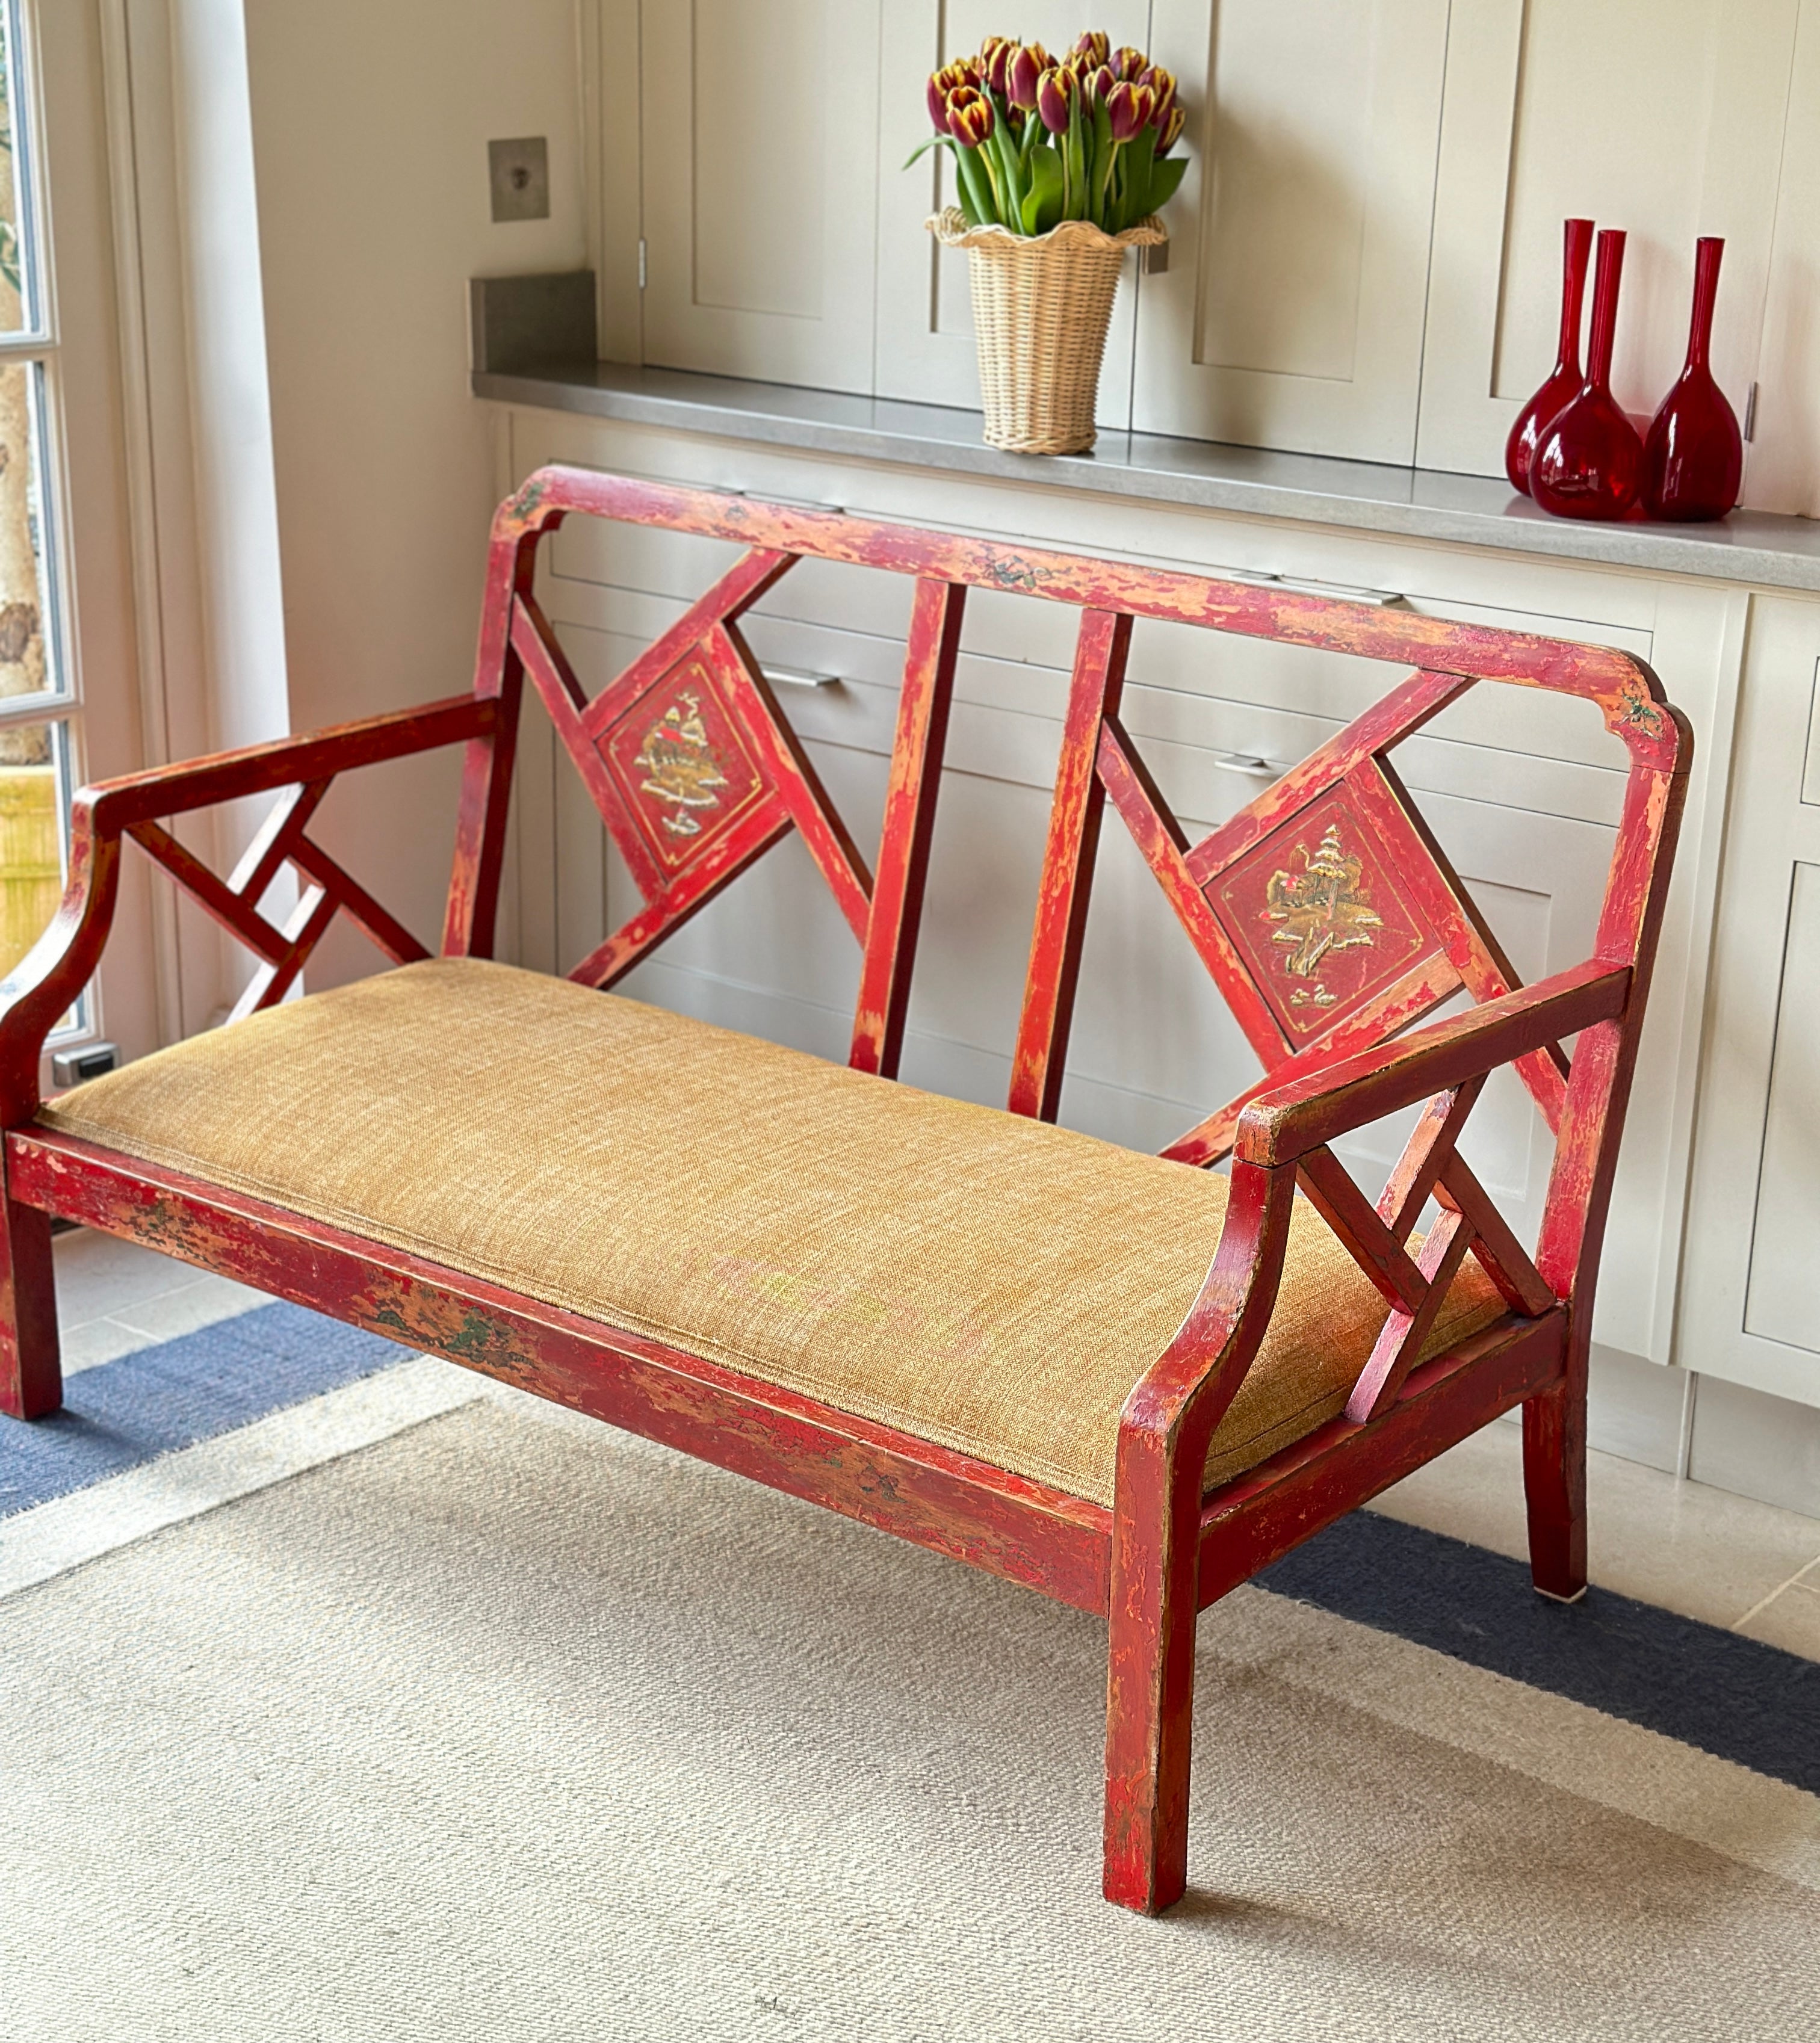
(1074, 162)
(979, 200)
(1101, 173)
(1135, 161)
(1010, 180)
(924, 148)
(1164, 177)
(1043, 202)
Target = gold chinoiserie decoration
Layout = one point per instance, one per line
(680, 766)
(1321, 908)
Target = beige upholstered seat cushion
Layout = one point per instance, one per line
(973, 1278)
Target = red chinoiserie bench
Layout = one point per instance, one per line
(1129, 1381)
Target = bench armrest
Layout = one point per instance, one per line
(1183, 1397)
(188, 784)
(1284, 1124)
(42, 986)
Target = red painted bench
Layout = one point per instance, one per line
(852, 1321)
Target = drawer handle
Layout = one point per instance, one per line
(800, 677)
(788, 503)
(1378, 599)
(1248, 764)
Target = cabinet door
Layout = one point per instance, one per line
(1291, 315)
(1750, 1305)
(1666, 120)
(925, 311)
(1783, 473)
(759, 155)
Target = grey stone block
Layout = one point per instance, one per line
(524, 326)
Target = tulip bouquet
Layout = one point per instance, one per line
(1039, 140)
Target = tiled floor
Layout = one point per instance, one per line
(1724, 1559)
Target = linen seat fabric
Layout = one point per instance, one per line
(973, 1278)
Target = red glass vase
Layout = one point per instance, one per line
(1589, 461)
(1564, 379)
(1693, 458)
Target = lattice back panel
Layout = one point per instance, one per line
(1325, 911)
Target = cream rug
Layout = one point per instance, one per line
(512, 1727)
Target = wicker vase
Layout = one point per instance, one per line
(1041, 304)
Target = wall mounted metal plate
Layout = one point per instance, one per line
(520, 174)
(74, 1068)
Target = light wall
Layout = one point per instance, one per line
(371, 120)
(1365, 251)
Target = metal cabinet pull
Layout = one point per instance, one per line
(800, 677)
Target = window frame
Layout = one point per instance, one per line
(37, 346)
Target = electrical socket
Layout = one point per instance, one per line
(520, 175)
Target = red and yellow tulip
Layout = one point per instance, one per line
(1022, 73)
(1105, 119)
(1129, 109)
(970, 120)
(950, 78)
(1162, 84)
(1056, 91)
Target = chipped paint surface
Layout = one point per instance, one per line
(697, 772)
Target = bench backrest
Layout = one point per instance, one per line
(1325, 910)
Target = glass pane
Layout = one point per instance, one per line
(26, 668)
(31, 835)
(15, 184)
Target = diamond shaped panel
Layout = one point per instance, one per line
(676, 755)
(1317, 912)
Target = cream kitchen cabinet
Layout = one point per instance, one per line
(1751, 1309)
(1365, 253)
(1667, 120)
(758, 187)
(1291, 314)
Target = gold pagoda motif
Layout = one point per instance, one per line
(1320, 909)
(680, 767)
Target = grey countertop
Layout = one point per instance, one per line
(1758, 547)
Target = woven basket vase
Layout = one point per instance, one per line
(1041, 304)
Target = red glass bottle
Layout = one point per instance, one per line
(1589, 462)
(1693, 457)
(1564, 379)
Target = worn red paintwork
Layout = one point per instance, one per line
(697, 773)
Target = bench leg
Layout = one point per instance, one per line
(31, 1370)
(1150, 1694)
(1554, 1480)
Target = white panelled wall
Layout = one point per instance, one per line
(1365, 255)
(371, 123)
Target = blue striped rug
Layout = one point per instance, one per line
(1728, 1696)
(157, 1401)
